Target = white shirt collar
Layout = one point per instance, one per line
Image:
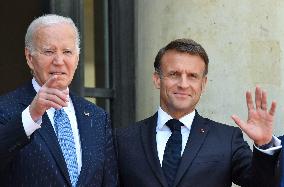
(163, 117)
(35, 85)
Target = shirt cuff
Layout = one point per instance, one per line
(276, 146)
(29, 125)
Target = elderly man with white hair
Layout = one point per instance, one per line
(49, 136)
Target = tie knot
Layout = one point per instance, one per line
(59, 113)
(174, 124)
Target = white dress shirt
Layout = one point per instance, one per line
(30, 126)
(163, 133)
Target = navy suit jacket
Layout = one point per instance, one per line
(38, 161)
(215, 156)
(281, 164)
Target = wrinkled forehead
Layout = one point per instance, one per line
(55, 34)
(56, 29)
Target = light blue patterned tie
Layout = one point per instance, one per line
(66, 141)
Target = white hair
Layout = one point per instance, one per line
(48, 20)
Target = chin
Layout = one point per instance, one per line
(184, 108)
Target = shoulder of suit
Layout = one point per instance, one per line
(25, 91)
(129, 128)
(85, 103)
(281, 138)
(13, 102)
(134, 128)
(220, 125)
(19, 90)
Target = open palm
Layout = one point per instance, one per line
(259, 125)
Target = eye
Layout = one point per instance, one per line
(68, 52)
(193, 76)
(48, 52)
(174, 75)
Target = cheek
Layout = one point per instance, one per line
(73, 66)
(198, 88)
(168, 89)
(73, 69)
(40, 69)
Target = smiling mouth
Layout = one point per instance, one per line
(182, 94)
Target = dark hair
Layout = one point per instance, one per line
(184, 46)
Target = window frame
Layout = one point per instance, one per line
(121, 57)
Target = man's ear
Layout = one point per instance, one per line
(156, 79)
(204, 83)
(29, 59)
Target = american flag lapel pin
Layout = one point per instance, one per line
(86, 113)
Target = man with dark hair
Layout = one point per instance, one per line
(48, 136)
(178, 147)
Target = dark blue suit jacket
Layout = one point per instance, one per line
(38, 161)
(215, 156)
(281, 163)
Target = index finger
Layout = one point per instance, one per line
(50, 81)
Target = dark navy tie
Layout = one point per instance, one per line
(66, 141)
(172, 154)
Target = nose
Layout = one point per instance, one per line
(183, 81)
(58, 59)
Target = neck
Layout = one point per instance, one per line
(177, 114)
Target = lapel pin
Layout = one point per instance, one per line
(202, 130)
(86, 113)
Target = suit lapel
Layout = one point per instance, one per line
(148, 136)
(85, 120)
(48, 134)
(84, 115)
(46, 131)
(195, 140)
